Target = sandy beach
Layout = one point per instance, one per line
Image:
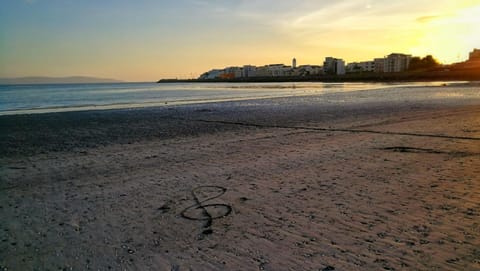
(385, 179)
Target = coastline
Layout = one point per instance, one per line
(367, 77)
(140, 95)
(56, 131)
(232, 91)
(378, 179)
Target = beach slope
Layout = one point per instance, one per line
(369, 180)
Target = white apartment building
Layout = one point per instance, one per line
(379, 64)
(227, 73)
(397, 63)
(235, 72)
(365, 66)
(306, 70)
(334, 66)
(273, 70)
(249, 71)
(278, 69)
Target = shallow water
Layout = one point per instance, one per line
(26, 99)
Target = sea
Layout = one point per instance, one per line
(44, 98)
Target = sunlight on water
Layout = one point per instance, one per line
(22, 99)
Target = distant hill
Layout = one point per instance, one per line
(55, 80)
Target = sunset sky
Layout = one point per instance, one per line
(145, 40)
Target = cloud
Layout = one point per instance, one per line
(427, 19)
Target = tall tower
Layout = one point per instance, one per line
(294, 63)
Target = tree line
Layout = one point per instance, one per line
(425, 63)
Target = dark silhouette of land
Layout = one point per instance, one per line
(457, 72)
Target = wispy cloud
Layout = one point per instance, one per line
(431, 18)
(426, 19)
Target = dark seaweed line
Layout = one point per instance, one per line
(355, 131)
(430, 151)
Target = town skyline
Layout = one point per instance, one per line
(392, 63)
(146, 40)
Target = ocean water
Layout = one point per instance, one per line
(27, 99)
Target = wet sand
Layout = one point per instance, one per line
(368, 180)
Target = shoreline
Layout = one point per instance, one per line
(367, 77)
(121, 106)
(353, 181)
(24, 133)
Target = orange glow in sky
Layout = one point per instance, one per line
(451, 36)
(148, 40)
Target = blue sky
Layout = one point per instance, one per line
(145, 40)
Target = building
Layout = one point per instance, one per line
(276, 70)
(273, 70)
(352, 67)
(213, 74)
(249, 71)
(308, 70)
(227, 73)
(475, 55)
(236, 71)
(334, 66)
(231, 73)
(396, 63)
(365, 66)
(261, 71)
(379, 65)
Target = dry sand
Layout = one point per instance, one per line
(374, 180)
